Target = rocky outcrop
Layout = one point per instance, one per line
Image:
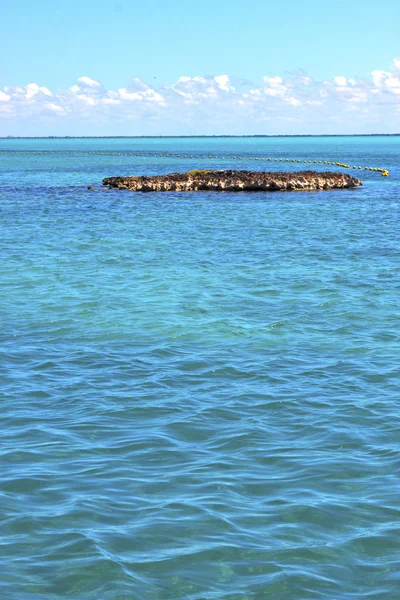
(234, 181)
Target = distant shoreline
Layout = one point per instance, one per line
(157, 137)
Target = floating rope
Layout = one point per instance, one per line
(384, 172)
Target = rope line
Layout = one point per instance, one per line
(384, 172)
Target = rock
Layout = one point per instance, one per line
(234, 181)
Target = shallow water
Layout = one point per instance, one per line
(200, 392)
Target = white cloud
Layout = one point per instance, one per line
(393, 84)
(89, 82)
(109, 101)
(54, 108)
(385, 81)
(125, 95)
(223, 83)
(340, 81)
(32, 89)
(198, 89)
(218, 103)
(4, 97)
(138, 85)
(274, 86)
(305, 80)
(86, 99)
(293, 101)
(147, 94)
(378, 77)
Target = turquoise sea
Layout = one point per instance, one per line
(200, 393)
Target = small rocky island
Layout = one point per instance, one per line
(234, 181)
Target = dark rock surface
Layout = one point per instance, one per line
(234, 181)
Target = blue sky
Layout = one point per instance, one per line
(277, 66)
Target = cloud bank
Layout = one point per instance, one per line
(294, 103)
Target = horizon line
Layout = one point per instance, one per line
(280, 135)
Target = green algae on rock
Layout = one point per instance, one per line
(235, 181)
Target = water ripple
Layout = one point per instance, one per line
(199, 396)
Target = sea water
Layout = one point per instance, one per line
(199, 391)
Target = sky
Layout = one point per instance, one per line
(175, 67)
